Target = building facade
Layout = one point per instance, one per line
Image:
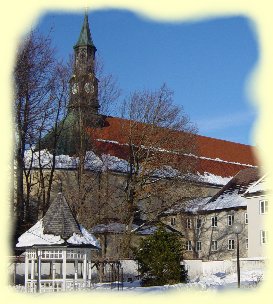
(257, 198)
(206, 223)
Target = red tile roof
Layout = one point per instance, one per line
(216, 156)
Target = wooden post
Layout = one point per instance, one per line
(53, 274)
(64, 269)
(38, 253)
(121, 278)
(53, 270)
(32, 269)
(118, 276)
(85, 267)
(76, 270)
(89, 272)
(26, 269)
(90, 268)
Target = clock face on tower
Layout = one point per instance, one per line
(89, 87)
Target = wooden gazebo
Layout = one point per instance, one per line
(53, 243)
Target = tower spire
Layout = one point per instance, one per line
(83, 83)
(85, 35)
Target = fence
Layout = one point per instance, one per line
(198, 267)
(130, 269)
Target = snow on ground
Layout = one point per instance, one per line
(215, 282)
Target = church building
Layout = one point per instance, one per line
(215, 161)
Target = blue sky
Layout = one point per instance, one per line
(205, 63)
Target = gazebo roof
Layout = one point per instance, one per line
(59, 219)
(58, 227)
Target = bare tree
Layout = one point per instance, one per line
(160, 138)
(108, 91)
(33, 79)
(41, 92)
(54, 123)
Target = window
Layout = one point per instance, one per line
(188, 246)
(173, 221)
(214, 245)
(263, 207)
(188, 223)
(198, 246)
(198, 223)
(264, 237)
(246, 243)
(246, 219)
(230, 219)
(231, 244)
(214, 221)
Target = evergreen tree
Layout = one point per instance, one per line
(159, 257)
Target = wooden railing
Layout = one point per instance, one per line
(57, 285)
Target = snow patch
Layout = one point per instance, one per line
(259, 186)
(228, 200)
(36, 236)
(214, 179)
(86, 238)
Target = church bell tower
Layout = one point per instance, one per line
(83, 83)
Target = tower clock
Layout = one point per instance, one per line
(83, 83)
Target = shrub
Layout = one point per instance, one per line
(159, 257)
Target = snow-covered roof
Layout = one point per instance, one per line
(110, 228)
(36, 236)
(192, 205)
(57, 227)
(225, 201)
(230, 196)
(92, 161)
(259, 187)
(109, 162)
(146, 228)
(232, 200)
(149, 229)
